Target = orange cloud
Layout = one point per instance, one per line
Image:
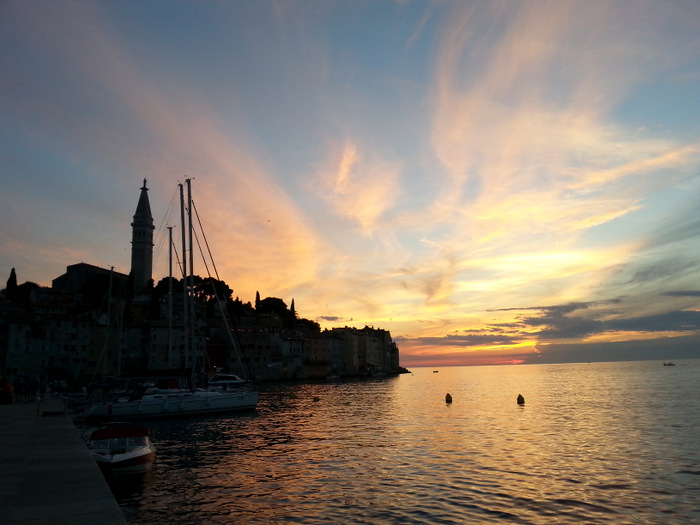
(358, 187)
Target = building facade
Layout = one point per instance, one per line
(95, 322)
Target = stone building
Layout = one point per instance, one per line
(96, 322)
(142, 244)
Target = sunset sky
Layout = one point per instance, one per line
(491, 181)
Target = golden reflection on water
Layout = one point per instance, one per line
(592, 443)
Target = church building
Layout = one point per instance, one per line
(142, 244)
(87, 278)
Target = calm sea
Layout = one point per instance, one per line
(594, 443)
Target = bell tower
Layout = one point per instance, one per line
(142, 243)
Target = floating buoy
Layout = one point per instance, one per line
(316, 399)
(448, 398)
(521, 399)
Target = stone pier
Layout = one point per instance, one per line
(47, 475)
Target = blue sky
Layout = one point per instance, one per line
(493, 182)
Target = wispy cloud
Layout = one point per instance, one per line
(357, 187)
(436, 178)
(523, 118)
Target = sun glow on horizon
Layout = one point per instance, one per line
(478, 178)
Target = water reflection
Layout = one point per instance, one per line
(599, 443)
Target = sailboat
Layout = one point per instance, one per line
(144, 399)
(135, 401)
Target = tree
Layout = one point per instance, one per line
(308, 326)
(238, 308)
(211, 288)
(204, 289)
(24, 291)
(163, 286)
(292, 316)
(11, 289)
(273, 305)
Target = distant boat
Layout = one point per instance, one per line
(670, 363)
(435, 371)
(122, 449)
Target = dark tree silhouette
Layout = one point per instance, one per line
(292, 316)
(11, 288)
(271, 305)
(24, 291)
(211, 288)
(238, 308)
(204, 289)
(308, 326)
(163, 287)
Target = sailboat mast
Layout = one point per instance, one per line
(193, 345)
(185, 294)
(109, 320)
(170, 294)
(120, 341)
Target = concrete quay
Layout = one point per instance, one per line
(47, 476)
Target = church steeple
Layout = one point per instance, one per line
(142, 243)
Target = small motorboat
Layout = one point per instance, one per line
(123, 449)
(670, 363)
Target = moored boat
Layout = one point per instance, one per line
(123, 449)
(138, 401)
(226, 382)
(142, 400)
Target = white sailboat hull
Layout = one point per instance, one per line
(174, 405)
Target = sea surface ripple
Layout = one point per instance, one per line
(593, 443)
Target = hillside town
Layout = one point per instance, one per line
(94, 323)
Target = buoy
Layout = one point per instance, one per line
(521, 399)
(448, 398)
